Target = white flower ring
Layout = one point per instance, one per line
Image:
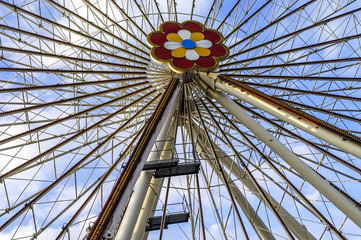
(188, 45)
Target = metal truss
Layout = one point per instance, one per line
(272, 135)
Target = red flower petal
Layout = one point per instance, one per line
(171, 28)
(206, 62)
(212, 36)
(193, 27)
(158, 38)
(218, 50)
(162, 53)
(182, 63)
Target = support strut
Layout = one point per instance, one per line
(120, 194)
(285, 112)
(140, 189)
(350, 208)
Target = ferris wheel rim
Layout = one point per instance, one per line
(276, 76)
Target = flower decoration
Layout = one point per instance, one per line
(187, 46)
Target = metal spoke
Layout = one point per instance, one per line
(104, 135)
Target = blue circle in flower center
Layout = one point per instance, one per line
(188, 44)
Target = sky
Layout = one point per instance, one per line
(20, 187)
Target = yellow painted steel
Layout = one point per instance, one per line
(174, 37)
(179, 52)
(203, 52)
(197, 36)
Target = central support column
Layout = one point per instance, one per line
(159, 152)
(107, 221)
(153, 193)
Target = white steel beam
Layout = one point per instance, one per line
(149, 206)
(204, 150)
(317, 131)
(241, 200)
(151, 198)
(135, 203)
(112, 227)
(129, 218)
(323, 186)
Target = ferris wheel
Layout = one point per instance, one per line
(224, 119)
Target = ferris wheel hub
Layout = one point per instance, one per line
(187, 46)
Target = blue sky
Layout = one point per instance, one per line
(21, 186)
